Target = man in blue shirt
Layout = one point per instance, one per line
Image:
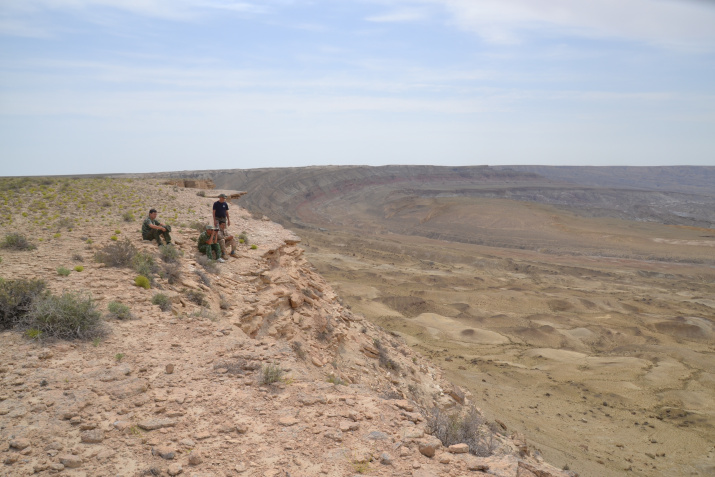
(221, 211)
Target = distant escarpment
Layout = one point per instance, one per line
(309, 196)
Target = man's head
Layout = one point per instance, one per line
(222, 198)
(210, 229)
(152, 213)
(222, 225)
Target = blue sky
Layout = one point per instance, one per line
(100, 86)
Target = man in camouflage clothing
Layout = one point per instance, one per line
(208, 244)
(152, 229)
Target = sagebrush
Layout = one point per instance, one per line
(68, 316)
(467, 426)
(16, 297)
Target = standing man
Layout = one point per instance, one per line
(221, 211)
(152, 229)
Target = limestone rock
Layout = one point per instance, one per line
(94, 436)
(153, 424)
(428, 447)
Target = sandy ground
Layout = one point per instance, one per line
(598, 344)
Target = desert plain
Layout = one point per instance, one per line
(588, 329)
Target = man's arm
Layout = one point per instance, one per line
(228, 219)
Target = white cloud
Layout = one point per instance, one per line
(682, 23)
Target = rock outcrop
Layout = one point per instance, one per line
(267, 375)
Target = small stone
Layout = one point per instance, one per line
(11, 459)
(385, 459)
(405, 405)
(169, 369)
(346, 426)
(75, 420)
(444, 458)
(70, 461)
(335, 435)
(153, 424)
(105, 455)
(57, 466)
(175, 469)
(195, 457)
(20, 443)
(241, 427)
(458, 448)
(377, 436)
(287, 421)
(475, 464)
(121, 425)
(164, 452)
(94, 436)
(429, 447)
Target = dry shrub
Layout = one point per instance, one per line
(16, 297)
(171, 272)
(117, 254)
(17, 241)
(69, 316)
(467, 427)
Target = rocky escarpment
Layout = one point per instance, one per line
(255, 368)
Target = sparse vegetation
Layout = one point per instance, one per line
(201, 193)
(16, 298)
(171, 271)
(119, 356)
(198, 226)
(69, 316)
(119, 311)
(78, 268)
(17, 241)
(336, 380)
(197, 297)
(384, 358)
(162, 301)
(169, 253)
(119, 254)
(63, 271)
(297, 347)
(142, 281)
(204, 278)
(271, 373)
(208, 265)
(144, 264)
(128, 217)
(254, 247)
(223, 303)
(462, 427)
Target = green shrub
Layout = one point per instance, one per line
(271, 373)
(336, 380)
(243, 237)
(33, 334)
(143, 263)
(119, 254)
(16, 297)
(117, 232)
(169, 253)
(63, 271)
(114, 238)
(119, 311)
(17, 241)
(142, 281)
(254, 246)
(78, 268)
(69, 316)
(161, 300)
(128, 217)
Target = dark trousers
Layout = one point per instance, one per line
(155, 234)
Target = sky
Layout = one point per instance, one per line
(107, 86)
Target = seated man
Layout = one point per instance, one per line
(225, 239)
(208, 243)
(152, 229)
